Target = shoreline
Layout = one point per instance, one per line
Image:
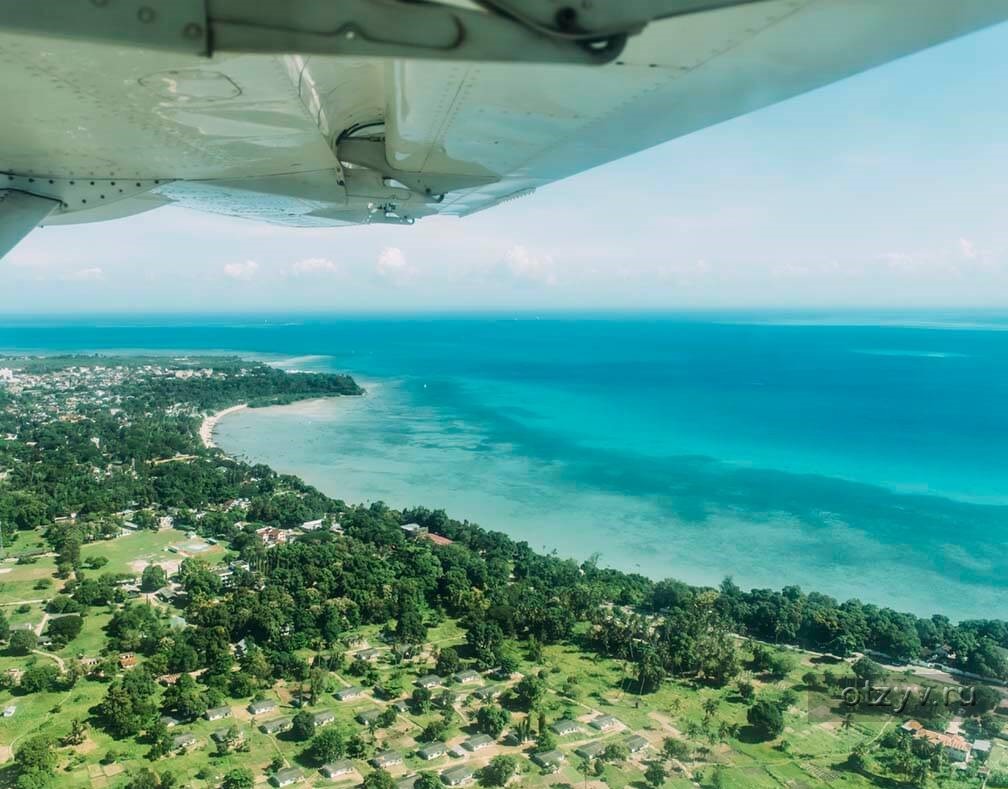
(639, 548)
(210, 422)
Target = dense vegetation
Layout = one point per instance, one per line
(118, 458)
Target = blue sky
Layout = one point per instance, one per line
(888, 189)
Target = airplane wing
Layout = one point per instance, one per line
(390, 111)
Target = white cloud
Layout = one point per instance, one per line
(528, 266)
(392, 265)
(241, 271)
(310, 266)
(92, 274)
(967, 248)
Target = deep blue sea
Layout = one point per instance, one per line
(859, 455)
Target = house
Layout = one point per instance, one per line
(413, 530)
(270, 536)
(604, 723)
(346, 694)
(367, 717)
(337, 769)
(549, 760)
(324, 717)
(433, 751)
(912, 727)
(635, 743)
(223, 735)
(184, 742)
(478, 742)
(127, 660)
(167, 594)
(275, 726)
(368, 655)
(456, 776)
(314, 525)
(287, 776)
(409, 782)
(386, 759)
(401, 706)
(981, 748)
(168, 721)
(954, 746)
(261, 706)
(590, 750)
(429, 681)
(488, 692)
(943, 654)
(437, 539)
(565, 726)
(466, 677)
(216, 713)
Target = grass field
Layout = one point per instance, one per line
(125, 554)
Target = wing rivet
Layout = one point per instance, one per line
(192, 30)
(566, 18)
(146, 14)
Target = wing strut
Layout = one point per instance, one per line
(532, 31)
(20, 213)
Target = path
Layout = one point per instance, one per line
(59, 661)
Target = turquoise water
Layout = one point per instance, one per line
(863, 456)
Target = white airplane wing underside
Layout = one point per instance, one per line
(102, 127)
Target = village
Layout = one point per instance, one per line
(598, 735)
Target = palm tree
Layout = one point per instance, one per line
(710, 706)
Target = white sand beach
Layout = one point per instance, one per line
(210, 422)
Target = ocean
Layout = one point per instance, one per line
(852, 454)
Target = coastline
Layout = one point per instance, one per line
(403, 455)
(210, 422)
